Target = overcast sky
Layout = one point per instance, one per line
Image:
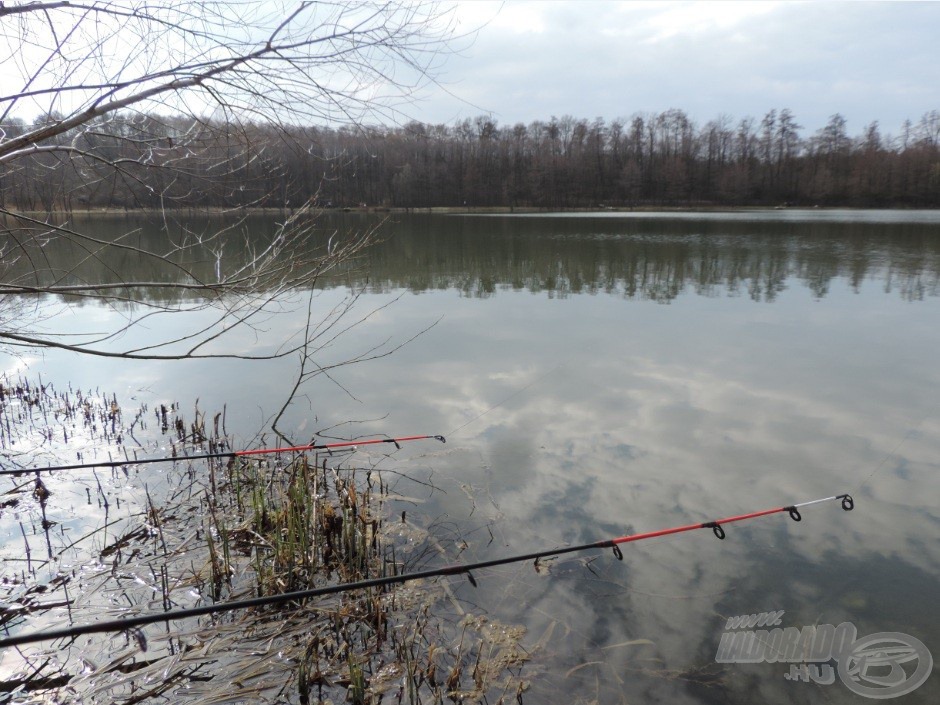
(868, 61)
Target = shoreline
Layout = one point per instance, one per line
(454, 210)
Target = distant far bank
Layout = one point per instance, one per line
(655, 162)
(710, 208)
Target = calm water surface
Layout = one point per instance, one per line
(602, 374)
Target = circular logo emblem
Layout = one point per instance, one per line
(885, 665)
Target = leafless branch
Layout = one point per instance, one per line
(191, 114)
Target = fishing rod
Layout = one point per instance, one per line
(120, 625)
(226, 454)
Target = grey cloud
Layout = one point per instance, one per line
(869, 61)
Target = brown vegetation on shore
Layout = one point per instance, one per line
(208, 531)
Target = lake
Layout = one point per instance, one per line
(603, 374)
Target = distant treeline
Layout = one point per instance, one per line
(654, 159)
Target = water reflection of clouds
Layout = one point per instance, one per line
(702, 447)
(716, 422)
(698, 405)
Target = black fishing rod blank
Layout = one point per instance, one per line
(225, 454)
(120, 625)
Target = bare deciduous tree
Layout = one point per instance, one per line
(159, 106)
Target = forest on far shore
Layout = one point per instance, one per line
(658, 159)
